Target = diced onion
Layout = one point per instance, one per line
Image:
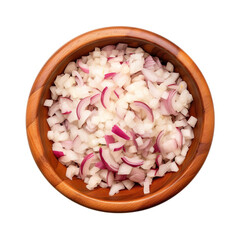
(119, 117)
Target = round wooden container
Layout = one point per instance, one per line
(162, 188)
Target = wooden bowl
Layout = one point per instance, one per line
(161, 188)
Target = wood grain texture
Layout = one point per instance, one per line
(162, 188)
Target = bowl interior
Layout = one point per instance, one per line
(158, 183)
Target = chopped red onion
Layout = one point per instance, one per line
(108, 160)
(149, 63)
(105, 96)
(159, 160)
(134, 162)
(146, 109)
(150, 75)
(109, 139)
(120, 177)
(109, 75)
(145, 144)
(94, 99)
(78, 78)
(85, 164)
(116, 146)
(137, 175)
(158, 62)
(58, 154)
(100, 165)
(118, 131)
(67, 144)
(110, 178)
(134, 130)
(82, 106)
(83, 66)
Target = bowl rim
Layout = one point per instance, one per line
(149, 200)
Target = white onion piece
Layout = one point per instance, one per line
(65, 105)
(65, 160)
(192, 121)
(109, 48)
(128, 184)
(93, 181)
(146, 185)
(137, 175)
(158, 62)
(115, 188)
(159, 160)
(153, 90)
(152, 173)
(150, 75)
(103, 185)
(76, 144)
(187, 133)
(103, 174)
(124, 169)
(70, 67)
(110, 178)
(145, 144)
(180, 123)
(149, 63)
(179, 159)
(173, 167)
(169, 67)
(90, 127)
(53, 109)
(163, 169)
(121, 112)
(67, 144)
(84, 116)
(48, 103)
(184, 150)
(58, 128)
(72, 170)
(168, 146)
(165, 95)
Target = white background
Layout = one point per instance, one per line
(31, 31)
